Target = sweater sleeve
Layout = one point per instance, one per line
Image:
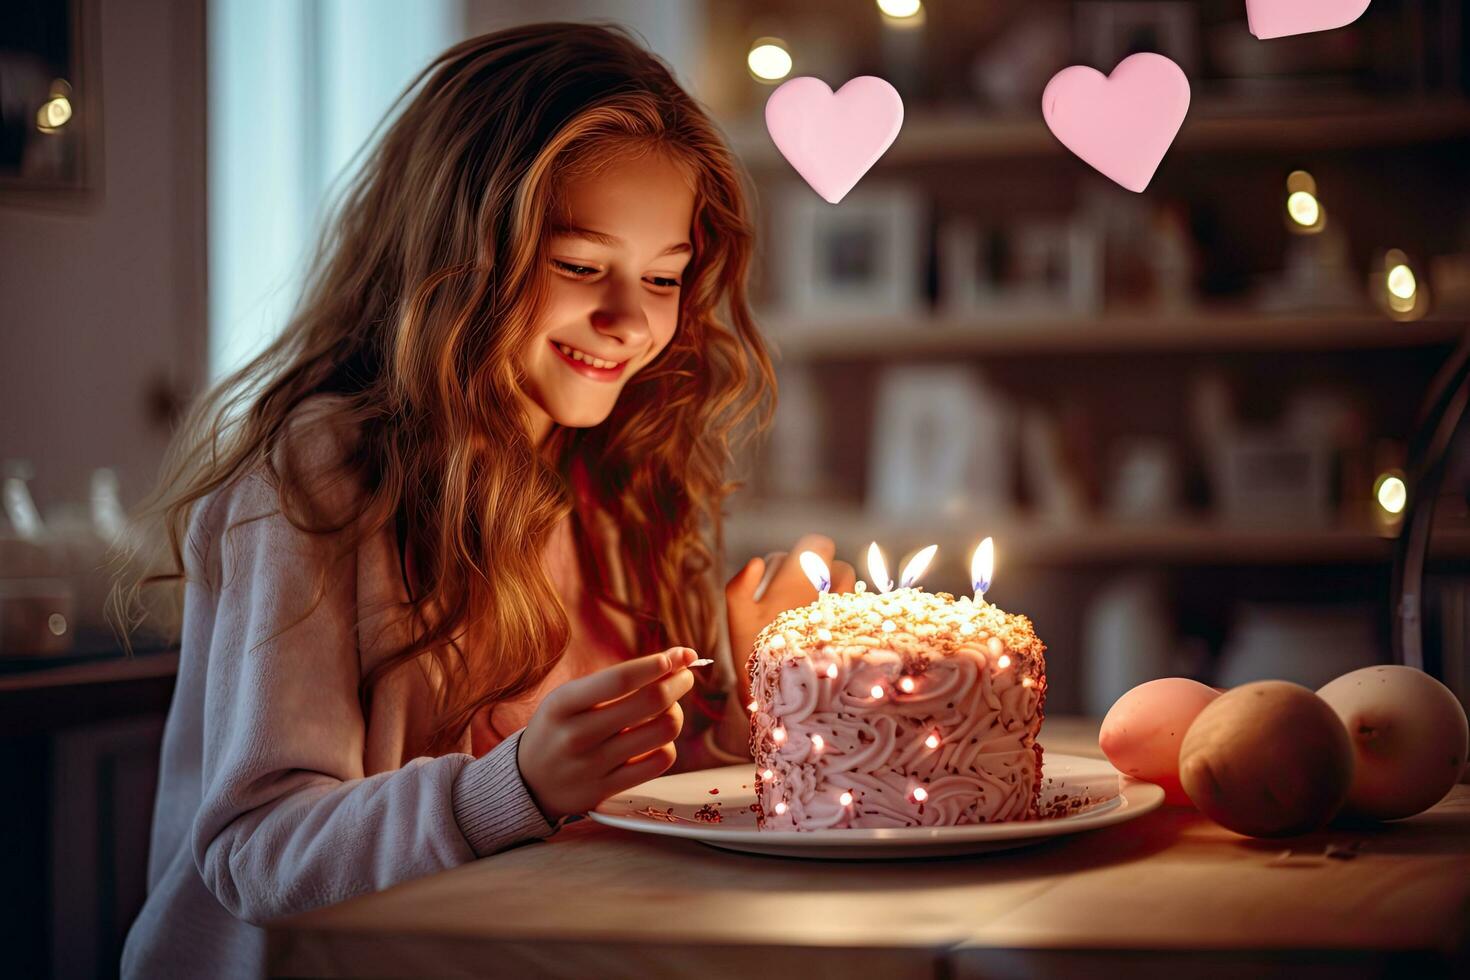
(287, 820)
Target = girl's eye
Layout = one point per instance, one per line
(579, 271)
(584, 272)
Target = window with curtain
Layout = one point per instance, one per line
(296, 89)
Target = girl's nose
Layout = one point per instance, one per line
(620, 314)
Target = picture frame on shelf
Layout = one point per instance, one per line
(1042, 267)
(862, 259)
(50, 122)
(1107, 31)
(944, 444)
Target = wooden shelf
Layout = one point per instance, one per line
(1029, 541)
(957, 135)
(801, 338)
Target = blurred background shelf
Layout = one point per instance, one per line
(1022, 541)
(808, 338)
(1226, 125)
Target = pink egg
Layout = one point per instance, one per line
(1144, 728)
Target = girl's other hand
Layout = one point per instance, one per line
(601, 734)
(788, 588)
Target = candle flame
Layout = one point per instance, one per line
(932, 741)
(878, 569)
(920, 794)
(816, 571)
(845, 799)
(982, 567)
(916, 566)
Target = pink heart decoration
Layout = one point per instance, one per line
(1121, 124)
(1280, 18)
(832, 139)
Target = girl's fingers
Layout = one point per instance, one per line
(635, 742)
(614, 682)
(592, 728)
(844, 577)
(640, 769)
(640, 705)
(789, 585)
(742, 587)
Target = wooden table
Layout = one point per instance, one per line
(1167, 894)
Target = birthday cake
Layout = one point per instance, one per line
(898, 709)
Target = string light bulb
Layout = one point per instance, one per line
(920, 794)
(768, 59)
(1397, 289)
(845, 799)
(1305, 214)
(932, 741)
(906, 685)
(1391, 493)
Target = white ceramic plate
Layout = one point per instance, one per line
(1114, 799)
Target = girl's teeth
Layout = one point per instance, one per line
(577, 355)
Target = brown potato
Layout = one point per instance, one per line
(1269, 759)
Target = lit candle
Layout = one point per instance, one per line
(817, 743)
(878, 569)
(916, 566)
(982, 568)
(816, 571)
(832, 671)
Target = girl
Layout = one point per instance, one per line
(447, 547)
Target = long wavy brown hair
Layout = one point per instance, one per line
(426, 285)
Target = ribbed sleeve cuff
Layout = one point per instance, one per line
(492, 805)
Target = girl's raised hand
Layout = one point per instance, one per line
(601, 734)
(788, 588)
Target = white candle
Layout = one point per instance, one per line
(916, 566)
(878, 569)
(982, 568)
(816, 571)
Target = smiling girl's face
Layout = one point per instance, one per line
(613, 284)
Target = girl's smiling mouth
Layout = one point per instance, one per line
(587, 365)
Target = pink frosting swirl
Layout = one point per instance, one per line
(917, 726)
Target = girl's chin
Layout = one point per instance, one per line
(580, 416)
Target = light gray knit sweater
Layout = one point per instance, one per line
(277, 792)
